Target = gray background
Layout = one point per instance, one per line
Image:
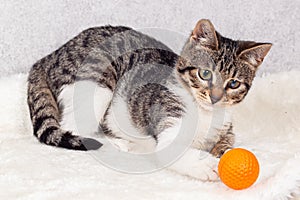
(31, 29)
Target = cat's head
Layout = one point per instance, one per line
(218, 70)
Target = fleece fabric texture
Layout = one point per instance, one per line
(266, 123)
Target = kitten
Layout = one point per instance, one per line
(144, 89)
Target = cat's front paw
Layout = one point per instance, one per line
(198, 164)
(205, 168)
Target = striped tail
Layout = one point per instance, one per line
(45, 116)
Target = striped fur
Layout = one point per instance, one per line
(101, 55)
(106, 55)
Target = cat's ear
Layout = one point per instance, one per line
(254, 53)
(205, 34)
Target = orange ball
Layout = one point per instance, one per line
(238, 168)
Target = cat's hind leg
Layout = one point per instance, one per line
(45, 115)
(83, 106)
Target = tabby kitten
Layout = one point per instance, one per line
(143, 88)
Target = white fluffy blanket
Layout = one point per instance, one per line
(267, 123)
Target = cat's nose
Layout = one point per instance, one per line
(216, 95)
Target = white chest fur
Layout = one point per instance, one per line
(203, 124)
(210, 123)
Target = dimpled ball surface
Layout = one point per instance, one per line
(238, 168)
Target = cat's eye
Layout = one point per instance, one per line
(234, 84)
(205, 74)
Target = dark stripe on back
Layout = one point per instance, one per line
(131, 59)
(85, 41)
(117, 68)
